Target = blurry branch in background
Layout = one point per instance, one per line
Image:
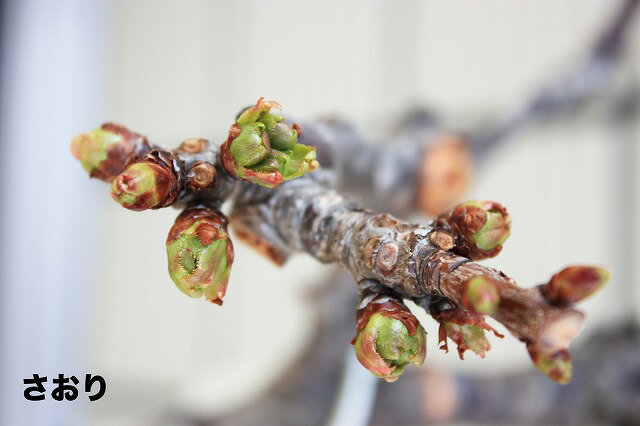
(304, 394)
(427, 168)
(422, 168)
(580, 84)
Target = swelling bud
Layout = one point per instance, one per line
(388, 341)
(200, 253)
(104, 152)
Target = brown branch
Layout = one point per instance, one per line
(410, 261)
(403, 257)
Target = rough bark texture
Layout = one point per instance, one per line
(306, 216)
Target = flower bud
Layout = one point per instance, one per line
(482, 228)
(556, 365)
(145, 184)
(263, 149)
(574, 284)
(105, 151)
(200, 253)
(282, 136)
(250, 146)
(388, 341)
(480, 294)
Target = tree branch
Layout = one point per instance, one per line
(409, 261)
(403, 257)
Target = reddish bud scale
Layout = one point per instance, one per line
(369, 357)
(118, 154)
(163, 192)
(461, 318)
(226, 159)
(213, 227)
(468, 219)
(573, 284)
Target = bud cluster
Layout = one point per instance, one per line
(263, 149)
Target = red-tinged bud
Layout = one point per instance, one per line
(482, 228)
(389, 339)
(148, 183)
(261, 148)
(573, 284)
(466, 337)
(480, 294)
(200, 253)
(464, 327)
(105, 151)
(555, 365)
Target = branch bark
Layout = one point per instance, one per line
(308, 217)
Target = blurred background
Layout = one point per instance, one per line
(84, 287)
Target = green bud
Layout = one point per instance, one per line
(200, 254)
(282, 136)
(494, 232)
(385, 347)
(301, 159)
(481, 295)
(142, 185)
(91, 148)
(250, 146)
(104, 151)
(483, 226)
(262, 149)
